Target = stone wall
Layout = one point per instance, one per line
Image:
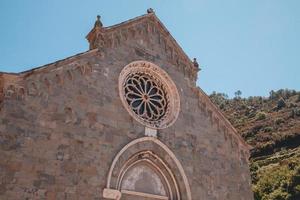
(62, 125)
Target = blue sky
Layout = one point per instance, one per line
(250, 45)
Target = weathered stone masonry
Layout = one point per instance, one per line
(65, 134)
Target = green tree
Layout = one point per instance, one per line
(280, 103)
(238, 94)
(273, 94)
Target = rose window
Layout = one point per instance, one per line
(146, 97)
(146, 92)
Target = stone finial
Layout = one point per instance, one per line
(150, 10)
(98, 22)
(195, 63)
(96, 35)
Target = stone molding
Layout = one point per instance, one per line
(157, 163)
(159, 75)
(218, 120)
(42, 86)
(164, 147)
(17, 86)
(114, 36)
(112, 194)
(152, 196)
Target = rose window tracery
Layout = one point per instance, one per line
(146, 97)
(148, 94)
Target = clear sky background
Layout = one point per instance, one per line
(247, 45)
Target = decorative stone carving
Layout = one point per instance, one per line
(69, 75)
(88, 68)
(215, 117)
(21, 93)
(145, 97)
(18, 91)
(10, 91)
(47, 83)
(96, 36)
(112, 37)
(98, 22)
(149, 94)
(150, 10)
(195, 63)
(15, 92)
(59, 79)
(81, 69)
(134, 156)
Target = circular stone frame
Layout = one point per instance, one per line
(163, 80)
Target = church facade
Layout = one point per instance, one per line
(124, 120)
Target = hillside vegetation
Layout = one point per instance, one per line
(271, 125)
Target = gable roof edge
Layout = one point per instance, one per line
(112, 36)
(211, 107)
(167, 32)
(46, 66)
(173, 40)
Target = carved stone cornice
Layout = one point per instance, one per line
(142, 26)
(18, 87)
(220, 122)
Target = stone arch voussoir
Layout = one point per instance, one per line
(155, 152)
